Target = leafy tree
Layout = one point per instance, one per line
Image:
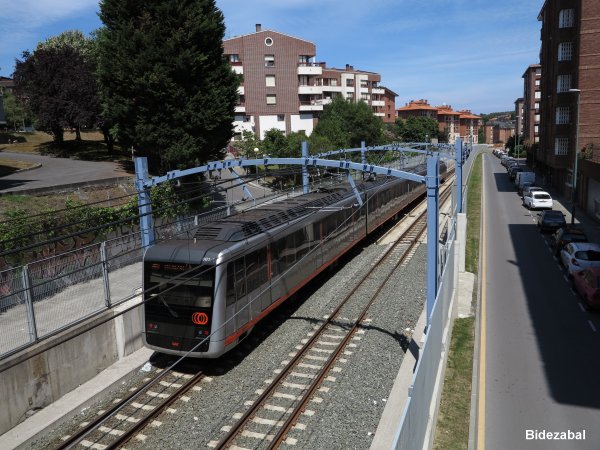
(165, 84)
(58, 86)
(345, 124)
(417, 129)
(16, 114)
(275, 143)
(246, 145)
(294, 144)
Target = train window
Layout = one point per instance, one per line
(256, 269)
(302, 243)
(230, 295)
(240, 278)
(185, 288)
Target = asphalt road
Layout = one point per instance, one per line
(540, 350)
(55, 172)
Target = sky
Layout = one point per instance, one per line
(470, 54)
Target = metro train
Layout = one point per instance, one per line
(204, 294)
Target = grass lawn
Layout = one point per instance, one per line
(452, 431)
(8, 166)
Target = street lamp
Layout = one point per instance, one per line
(574, 181)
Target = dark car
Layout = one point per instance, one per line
(565, 235)
(512, 172)
(551, 220)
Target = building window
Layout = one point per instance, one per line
(271, 99)
(350, 96)
(268, 41)
(333, 82)
(565, 51)
(364, 97)
(538, 71)
(364, 83)
(536, 129)
(561, 146)
(563, 115)
(536, 105)
(234, 58)
(536, 118)
(269, 60)
(350, 82)
(303, 60)
(280, 117)
(303, 80)
(563, 83)
(537, 95)
(270, 80)
(566, 18)
(537, 82)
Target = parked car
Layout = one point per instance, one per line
(565, 235)
(538, 200)
(504, 160)
(551, 220)
(525, 176)
(531, 188)
(577, 256)
(513, 171)
(586, 283)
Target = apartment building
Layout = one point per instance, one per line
(569, 150)
(519, 103)
(452, 124)
(532, 95)
(284, 88)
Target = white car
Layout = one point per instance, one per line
(577, 256)
(538, 200)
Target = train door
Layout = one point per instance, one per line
(257, 281)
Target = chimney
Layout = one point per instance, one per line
(258, 27)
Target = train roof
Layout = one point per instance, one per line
(250, 222)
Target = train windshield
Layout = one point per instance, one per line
(180, 284)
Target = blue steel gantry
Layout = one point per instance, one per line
(431, 181)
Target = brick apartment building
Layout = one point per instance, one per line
(570, 86)
(451, 124)
(532, 95)
(519, 103)
(284, 88)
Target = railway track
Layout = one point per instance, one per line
(268, 420)
(128, 416)
(313, 364)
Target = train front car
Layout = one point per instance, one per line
(179, 297)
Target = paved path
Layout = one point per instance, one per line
(56, 171)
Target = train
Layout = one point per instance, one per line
(202, 295)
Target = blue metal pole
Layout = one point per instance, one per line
(144, 201)
(432, 182)
(305, 185)
(459, 179)
(363, 150)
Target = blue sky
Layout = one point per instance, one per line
(466, 53)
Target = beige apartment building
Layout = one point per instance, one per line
(283, 87)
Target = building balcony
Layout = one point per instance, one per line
(238, 69)
(309, 69)
(310, 90)
(379, 114)
(240, 108)
(314, 105)
(378, 91)
(240, 90)
(377, 103)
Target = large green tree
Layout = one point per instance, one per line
(58, 85)
(417, 129)
(165, 84)
(345, 124)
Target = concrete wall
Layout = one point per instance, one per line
(41, 374)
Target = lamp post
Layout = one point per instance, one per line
(574, 181)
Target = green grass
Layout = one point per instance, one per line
(452, 431)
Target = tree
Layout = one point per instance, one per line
(417, 129)
(346, 124)
(58, 85)
(246, 145)
(16, 114)
(165, 84)
(274, 144)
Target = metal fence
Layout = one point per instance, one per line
(417, 414)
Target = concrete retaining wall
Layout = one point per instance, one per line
(41, 374)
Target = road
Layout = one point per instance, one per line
(540, 350)
(56, 171)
